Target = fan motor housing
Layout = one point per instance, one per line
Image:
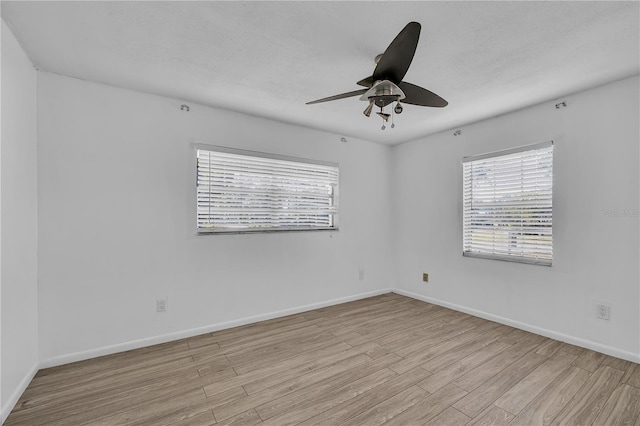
(384, 100)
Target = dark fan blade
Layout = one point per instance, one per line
(341, 96)
(366, 82)
(416, 95)
(396, 59)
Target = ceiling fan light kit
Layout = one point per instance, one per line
(385, 85)
(367, 110)
(383, 93)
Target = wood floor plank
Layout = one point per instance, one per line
(84, 368)
(387, 410)
(365, 402)
(211, 365)
(632, 376)
(449, 417)
(213, 376)
(589, 360)
(194, 413)
(334, 378)
(492, 416)
(459, 368)
(485, 394)
(516, 398)
(93, 393)
(391, 324)
(572, 349)
(226, 397)
(423, 339)
(122, 368)
(622, 408)
(587, 403)
(304, 405)
(185, 412)
(514, 335)
(547, 405)
(202, 419)
(306, 344)
(408, 338)
(549, 347)
(268, 339)
(258, 328)
(288, 386)
(350, 356)
(372, 350)
(496, 364)
(429, 407)
(358, 316)
(447, 346)
(359, 363)
(419, 324)
(457, 352)
(105, 403)
(365, 324)
(126, 414)
(202, 340)
(248, 418)
(617, 363)
(311, 360)
(282, 345)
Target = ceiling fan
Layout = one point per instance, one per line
(385, 86)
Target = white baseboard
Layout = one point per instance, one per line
(17, 393)
(135, 344)
(609, 350)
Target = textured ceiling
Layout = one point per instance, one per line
(269, 58)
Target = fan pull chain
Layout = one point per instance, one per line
(392, 123)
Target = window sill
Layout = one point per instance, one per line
(515, 259)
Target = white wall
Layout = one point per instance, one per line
(18, 221)
(595, 256)
(117, 222)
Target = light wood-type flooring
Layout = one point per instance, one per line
(384, 360)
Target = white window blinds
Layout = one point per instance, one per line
(507, 211)
(240, 191)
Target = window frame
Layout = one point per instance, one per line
(509, 257)
(271, 156)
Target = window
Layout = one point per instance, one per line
(507, 211)
(244, 191)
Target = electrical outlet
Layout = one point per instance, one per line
(162, 304)
(425, 277)
(361, 274)
(603, 311)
